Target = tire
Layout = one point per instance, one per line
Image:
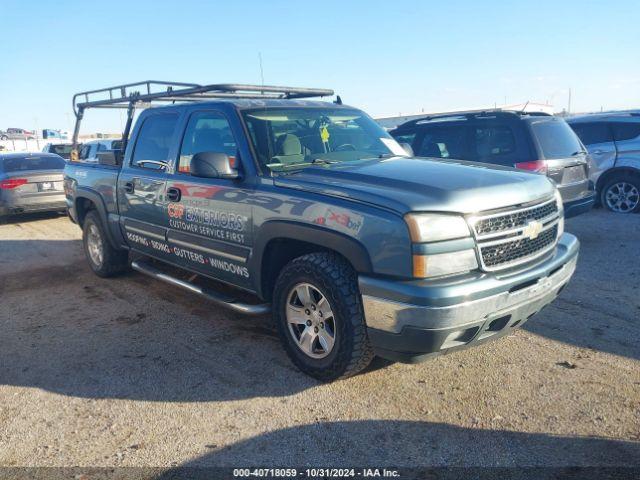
(104, 260)
(334, 279)
(621, 193)
(4, 137)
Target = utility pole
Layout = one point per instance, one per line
(569, 102)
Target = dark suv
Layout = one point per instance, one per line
(537, 142)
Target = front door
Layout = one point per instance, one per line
(142, 185)
(209, 219)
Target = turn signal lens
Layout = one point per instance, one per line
(440, 264)
(11, 183)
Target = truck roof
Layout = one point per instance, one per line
(257, 103)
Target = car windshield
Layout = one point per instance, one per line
(556, 138)
(293, 138)
(20, 164)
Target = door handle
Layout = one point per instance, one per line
(597, 152)
(174, 194)
(129, 187)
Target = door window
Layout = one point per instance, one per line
(154, 142)
(592, 133)
(625, 131)
(206, 132)
(444, 142)
(493, 141)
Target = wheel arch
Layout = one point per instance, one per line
(86, 200)
(604, 178)
(279, 242)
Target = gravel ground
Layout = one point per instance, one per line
(131, 372)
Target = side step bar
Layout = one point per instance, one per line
(221, 299)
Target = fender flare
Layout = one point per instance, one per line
(346, 246)
(95, 198)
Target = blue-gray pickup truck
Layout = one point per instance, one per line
(311, 211)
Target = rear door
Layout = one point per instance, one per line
(210, 219)
(598, 139)
(142, 183)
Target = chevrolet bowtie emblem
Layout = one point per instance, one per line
(532, 230)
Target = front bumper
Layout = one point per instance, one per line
(411, 321)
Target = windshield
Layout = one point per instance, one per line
(556, 138)
(292, 138)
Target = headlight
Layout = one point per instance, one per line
(560, 212)
(440, 264)
(432, 227)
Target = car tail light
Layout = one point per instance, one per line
(537, 166)
(10, 183)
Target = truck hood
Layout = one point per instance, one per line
(421, 184)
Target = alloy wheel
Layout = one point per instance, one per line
(622, 197)
(310, 320)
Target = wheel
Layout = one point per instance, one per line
(4, 137)
(621, 193)
(319, 317)
(104, 260)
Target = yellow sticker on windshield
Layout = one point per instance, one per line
(324, 134)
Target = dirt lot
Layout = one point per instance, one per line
(132, 372)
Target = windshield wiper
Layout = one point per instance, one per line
(579, 152)
(323, 161)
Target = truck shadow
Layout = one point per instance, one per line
(380, 443)
(29, 217)
(67, 331)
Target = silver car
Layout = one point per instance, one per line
(31, 182)
(613, 140)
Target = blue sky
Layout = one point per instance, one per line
(385, 57)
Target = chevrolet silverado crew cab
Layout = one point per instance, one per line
(310, 210)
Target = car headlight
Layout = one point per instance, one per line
(560, 212)
(433, 227)
(437, 227)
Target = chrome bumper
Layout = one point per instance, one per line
(455, 319)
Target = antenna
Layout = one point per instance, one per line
(261, 70)
(525, 106)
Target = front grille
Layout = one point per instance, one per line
(510, 252)
(510, 238)
(509, 221)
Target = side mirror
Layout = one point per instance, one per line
(407, 148)
(212, 165)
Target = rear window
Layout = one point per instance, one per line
(61, 149)
(555, 138)
(32, 163)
